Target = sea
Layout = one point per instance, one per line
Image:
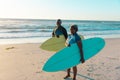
(17, 31)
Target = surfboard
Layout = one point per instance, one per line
(55, 44)
(70, 56)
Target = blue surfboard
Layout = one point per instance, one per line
(70, 56)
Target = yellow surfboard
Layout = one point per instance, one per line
(55, 44)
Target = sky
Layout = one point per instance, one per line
(63, 9)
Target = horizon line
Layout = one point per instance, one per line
(58, 18)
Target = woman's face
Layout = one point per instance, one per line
(72, 30)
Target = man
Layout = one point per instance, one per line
(59, 30)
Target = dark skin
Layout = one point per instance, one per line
(79, 43)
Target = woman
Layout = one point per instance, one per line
(74, 38)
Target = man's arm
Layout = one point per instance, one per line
(65, 33)
(53, 34)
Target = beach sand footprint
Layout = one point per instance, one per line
(117, 67)
(8, 48)
(112, 58)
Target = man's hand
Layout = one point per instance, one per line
(53, 35)
(57, 36)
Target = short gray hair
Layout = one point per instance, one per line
(75, 27)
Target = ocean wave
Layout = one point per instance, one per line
(25, 35)
(43, 28)
(24, 30)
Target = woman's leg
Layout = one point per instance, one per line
(68, 73)
(74, 72)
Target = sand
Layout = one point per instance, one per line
(25, 62)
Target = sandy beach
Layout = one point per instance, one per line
(25, 62)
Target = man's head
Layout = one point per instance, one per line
(59, 22)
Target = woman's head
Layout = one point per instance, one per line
(73, 29)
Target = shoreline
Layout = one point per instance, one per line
(25, 62)
(33, 40)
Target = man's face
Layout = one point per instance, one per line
(58, 23)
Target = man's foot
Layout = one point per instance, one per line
(66, 76)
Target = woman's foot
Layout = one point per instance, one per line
(74, 78)
(66, 76)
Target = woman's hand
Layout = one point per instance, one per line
(82, 60)
(67, 45)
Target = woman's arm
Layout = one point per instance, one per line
(79, 43)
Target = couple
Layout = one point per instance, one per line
(70, 39)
